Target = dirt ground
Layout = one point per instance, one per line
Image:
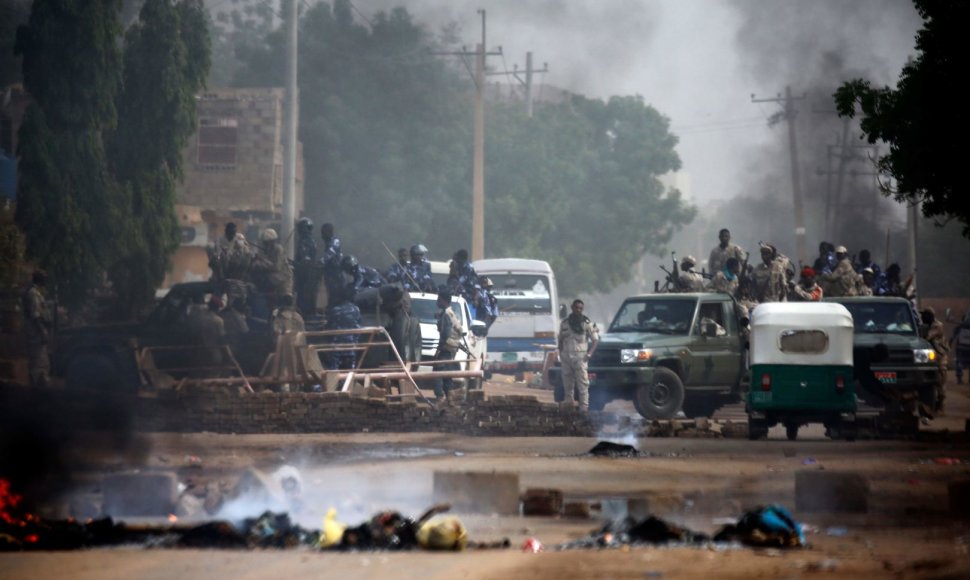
(907, 532)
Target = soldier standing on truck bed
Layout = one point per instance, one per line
(37, 325)
(843, 280)
(577, 343)
(770, 276)
(932, 331)
(723, 251)
(725, 280)
(689, 280)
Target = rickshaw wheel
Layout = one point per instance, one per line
(662, 398)
(791, 431)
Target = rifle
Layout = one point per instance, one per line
(676, 271)
(406, 273)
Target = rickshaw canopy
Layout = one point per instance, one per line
(801, 333)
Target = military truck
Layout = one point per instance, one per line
(670, 352)
(895, 368)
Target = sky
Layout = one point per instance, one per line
(698, 62)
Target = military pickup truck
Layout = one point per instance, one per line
(896, 370)
(667, 353)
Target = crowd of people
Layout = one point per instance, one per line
(323, 281)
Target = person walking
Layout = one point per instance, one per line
(578, 338)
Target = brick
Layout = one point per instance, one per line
(542, 502)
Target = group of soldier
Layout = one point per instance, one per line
(322, 281)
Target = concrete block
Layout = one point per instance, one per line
(831, 491)
(959, 498)
(542, 502)
(478, 492)
(139, 494)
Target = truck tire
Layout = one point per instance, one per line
(661, 398)
(791, 431)
(94, 372)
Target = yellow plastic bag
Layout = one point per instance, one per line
(443, 533)
(333, 531)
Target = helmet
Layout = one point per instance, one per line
(418, 250)
(349, 263)
(268, 235)
(841, 250)
(689, 260)
(305, 223)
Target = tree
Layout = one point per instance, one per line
(67, 204)
(387, 135)
(924, 117)
(166, 62)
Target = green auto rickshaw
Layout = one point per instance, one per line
(801, 369)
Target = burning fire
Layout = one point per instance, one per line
(8, 502)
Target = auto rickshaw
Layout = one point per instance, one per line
(801, 369)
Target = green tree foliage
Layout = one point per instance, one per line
(68, 205)
(387, 135)
(166, 61)
(920, 118)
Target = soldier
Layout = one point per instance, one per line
(726, 279)
(489, 302)
(450, 333)
(888, 283)
(398, 272)
(866, 282)
(462, 278)
(932, 331)
(343, 315)
(577, 343)
(304, 267)
(843, 280)
(723, 251)
(235, 255)
(770, 276)
(272, 271)
(330, 255)
(826, 261)
(865, 261)
(360, 276)
(37, 325)
(807, 290)
(689, 280)
(961, 340)
(420, 270)
(286, 319)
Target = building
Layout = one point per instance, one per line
(233, 172)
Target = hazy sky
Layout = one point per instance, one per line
(697, 61)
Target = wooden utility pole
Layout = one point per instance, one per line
(789, 113)
(527, 81)
(289, 131)
(478, 173)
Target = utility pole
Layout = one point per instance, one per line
(478, 173)
(289, 144)
(789, 113)
(527, 82)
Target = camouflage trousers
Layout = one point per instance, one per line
(575, 377)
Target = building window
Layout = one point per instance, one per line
(217, 141)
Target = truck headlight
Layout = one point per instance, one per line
(635, 355)
(924, 355)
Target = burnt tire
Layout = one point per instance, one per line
(94, 372)
(661, 398)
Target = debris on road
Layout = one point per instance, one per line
(610, 449)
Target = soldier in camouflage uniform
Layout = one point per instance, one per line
(723, 251)
(689, 280)
(726, 279)
(843, 280)
(866, 282)
(37, 325)
(450, 334)
(770, 276)
(231, 256)
(932, 331)
(271, 269)
(807, 290)
(578, 338)
(343, 315)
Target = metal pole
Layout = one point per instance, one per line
(289, 143)
(478, 185)
(796, 180)
(528, 84)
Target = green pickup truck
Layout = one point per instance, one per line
(667, 353)
(896, 370)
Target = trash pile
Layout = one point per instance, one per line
(769, 526)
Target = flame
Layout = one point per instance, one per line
(8, 501)
(173, 518)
